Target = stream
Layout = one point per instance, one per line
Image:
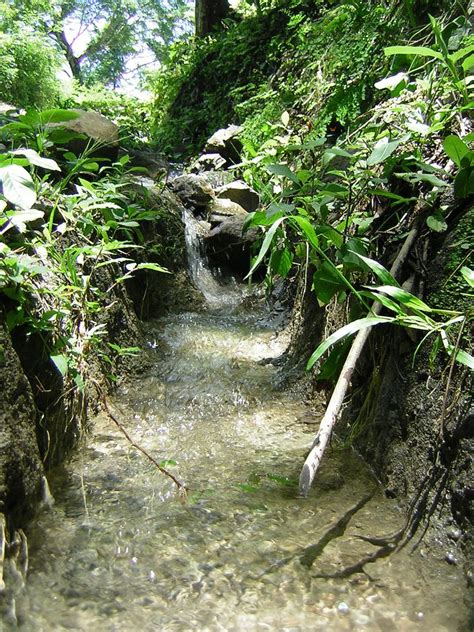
(118, 551)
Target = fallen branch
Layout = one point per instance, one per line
(182, 490)
(333, 409)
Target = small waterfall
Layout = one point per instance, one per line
(216, 294)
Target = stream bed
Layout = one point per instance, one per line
(118, 551)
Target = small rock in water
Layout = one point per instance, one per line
(451, 558)
(420, 615)
(343, 608)
(454, 533)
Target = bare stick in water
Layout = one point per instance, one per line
(333, 409)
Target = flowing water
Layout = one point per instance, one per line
(119, 551)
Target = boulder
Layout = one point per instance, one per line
(208, 162)
(220, 209)
(227, 247)
(194, 191)
(240, 193)
(225, 143)
(92, 126)
(154, 164)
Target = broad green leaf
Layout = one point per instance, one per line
(283, 170)
(57, 116)
(422, 51)
(468, 275)
(455, 148)
(21, 218)
(391, 82)
(437, 223)
(383, 149)
(331, 234)
(285, 118)
(35, 159)
(61, 363)
(327, 282)
(377, 268)
(347, 330)
(468, 63)
(404, 297)
(18, 186)
(307, 228)
(281, 262)
(464, 358)
(462, 52)
(265, 245)
(464, 182)
(331, 153)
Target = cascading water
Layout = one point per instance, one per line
(215, 293)
(118, 551)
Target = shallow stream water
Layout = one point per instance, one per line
(120, 552)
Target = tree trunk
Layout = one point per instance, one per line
(209, 14)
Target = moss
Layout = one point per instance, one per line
(452, 291)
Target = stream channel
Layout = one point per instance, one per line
(118, 551)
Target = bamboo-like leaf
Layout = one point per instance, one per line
(377, 268)
(347, 330)
(468, 275)
(265, 245)
(422, 51)
(404, 297)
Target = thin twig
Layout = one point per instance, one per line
(182, 489)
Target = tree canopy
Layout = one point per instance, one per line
(98, 37)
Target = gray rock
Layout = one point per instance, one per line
(194, 191)
(227, 247)
(221, 209)
(93, 126)
(209, 162)
(240, 193)
(226, 143)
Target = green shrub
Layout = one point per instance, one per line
(28, 69)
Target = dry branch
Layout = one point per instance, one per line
(333, 409)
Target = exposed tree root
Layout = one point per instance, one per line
(333, 409)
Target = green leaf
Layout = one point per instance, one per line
(468, 63)
(307, 228)
(383, 149)
(347, 330)
(61, 362)
(281, 262)
(404, 297)
(437, 223)
(462, 52)
(327, 282)
(331, 153)
(35, 159)
(422, 51)
(18, 186)
(265, 245)
(468, 275)
(377, 268)
(464, 182)
(21, 218)
(455, 148)
(284, 171)
(391, 82)
(57, 116)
